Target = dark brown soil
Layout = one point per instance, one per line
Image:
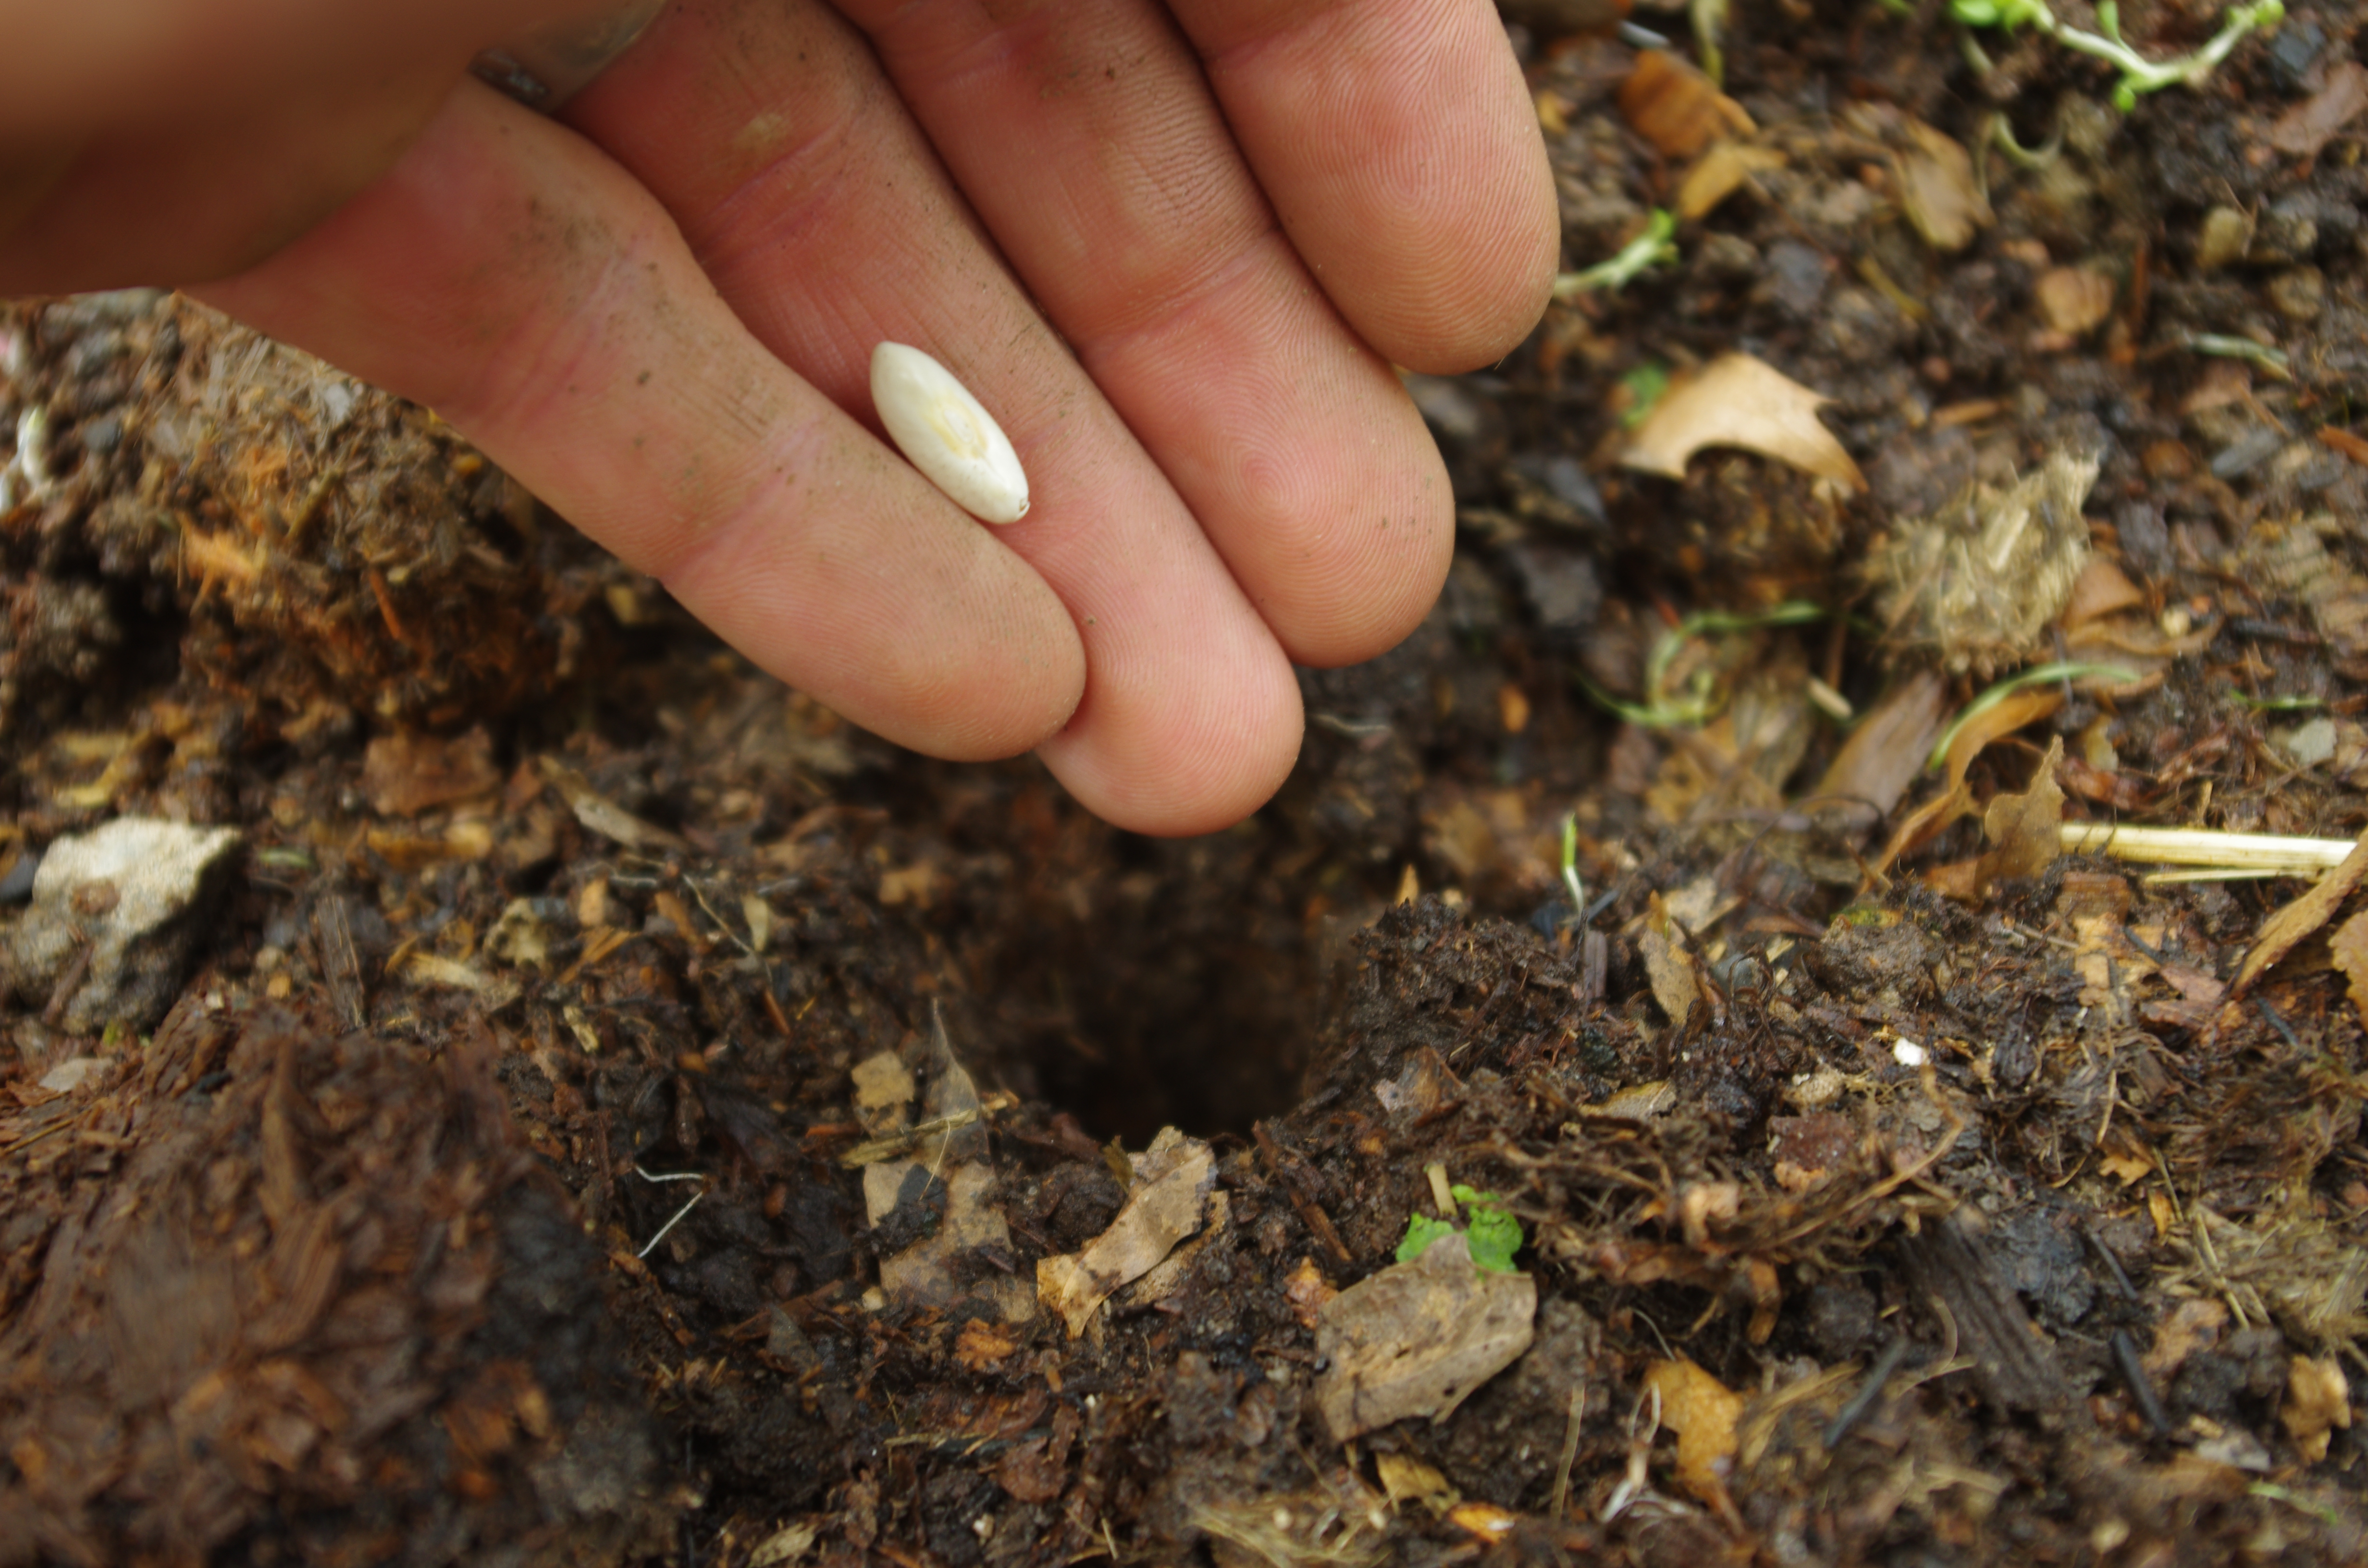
(486, 1195)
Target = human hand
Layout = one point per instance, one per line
(658, 313)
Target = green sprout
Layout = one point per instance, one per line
(1570, 865)
(1645, 385)
(2139, 74)
(1493, 1234)
(1665, 709)
(2221, 347)
(2278, 704)
(1654, 247)
(2044, 676)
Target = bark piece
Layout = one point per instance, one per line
(1417, 1338)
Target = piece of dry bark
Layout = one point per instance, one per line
(1417, 1338)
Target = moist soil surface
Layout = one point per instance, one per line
(609, 1111)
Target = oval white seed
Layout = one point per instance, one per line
(942, 431)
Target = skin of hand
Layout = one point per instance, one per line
(1174, 248)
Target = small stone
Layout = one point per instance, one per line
(2307, 744)
(72, 1074)
(2226, 234)
(137, 889)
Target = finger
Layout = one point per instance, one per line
(142, 140)
(822, 216)
(211, 198)
(1400, 146)
(1090, 146)
(509, 275)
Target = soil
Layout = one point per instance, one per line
(618, 1111)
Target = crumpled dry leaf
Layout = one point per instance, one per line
(1408, 1479)
(2282, 931)
(1999, 719)
(1739, 400)
(1703, 1412)
(1167, 1203)
(2318, 1400)
(931, 1272)
(2024, 833)
(2023, 829)
(1417, 1337)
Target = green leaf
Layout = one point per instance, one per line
(1421, 1231)
(1495, 1235)
(1491, 1232)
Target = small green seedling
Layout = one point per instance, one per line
(1655, 246)
(2044, 675)
(2139, 74)
(1663, 709)
(1491, 1232)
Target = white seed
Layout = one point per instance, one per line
(942, 431)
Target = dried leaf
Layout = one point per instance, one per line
(1927, 822)
(1702, 1411)
(1720, 174)
(1885, 752)
(884, 1092)
(2307, 127)
(932, 1272)
(1738, 401)
(1669, 966)
(1408, 1479)
(2348, 946)
(2022, 829)
(1672, 104)
(1937, 189)
(2306, 914)
(1167, 1204)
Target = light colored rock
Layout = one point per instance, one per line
(72, 1074)
(137, 891)
(2309, 743)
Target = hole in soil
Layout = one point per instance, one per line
(1173, 984)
